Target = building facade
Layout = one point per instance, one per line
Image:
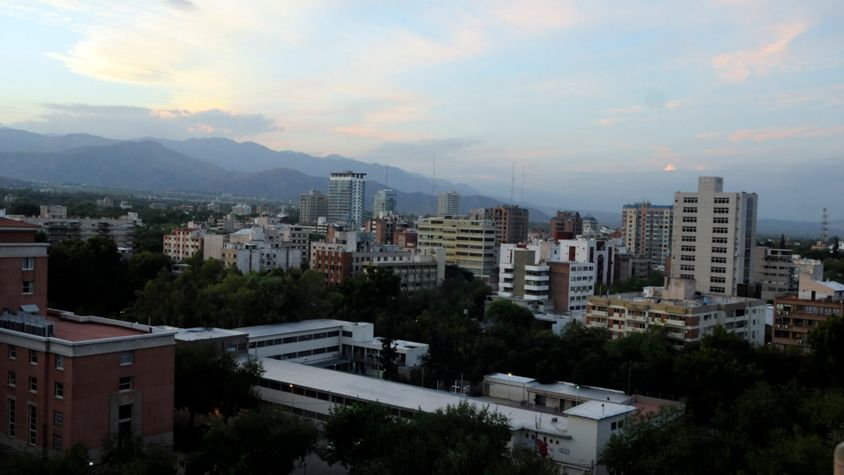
(468, 243)
(120, 230)
(566, 225)
(775, 271)
(795, 316)
(646, 229)
(312, 206)
(183, 243)
(23, 267)
(346, 191)
(448, 204)
(511, 223)
(384, 202)
(713, 237)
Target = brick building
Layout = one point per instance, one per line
(23, 266)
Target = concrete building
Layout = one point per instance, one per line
(384, 202)
(346, 191)
(183, 243)
(686, 317)
(312, 206)
(511, 223)
(566, 225)
(23, 267)
(468, 243)
(775, 271)
(795, 316)
(120, 230)
(598, 251)
(53, 211)
(241, 209)
(713, 237)
(542, 284)
(325, 343)
(573, 439)
(448, 204)
(646, 230)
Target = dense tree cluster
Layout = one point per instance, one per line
(460, 439)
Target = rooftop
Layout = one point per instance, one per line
(13, 223)
(294, 327)
(599, 410)
(563, 388)
(701, 301)
(197, 334)
(70, 327)
(402, 396)
(835, 286)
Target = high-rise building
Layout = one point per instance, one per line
(345, 197)
(713, 237)
(384, 202)
(448, 204)
(646, 229)
(566, 225)
(511, 223)
(312, 206)
(468, 243)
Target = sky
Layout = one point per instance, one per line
(594, 104)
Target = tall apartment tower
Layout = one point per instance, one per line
(448, 204)
(646, 229)
(312, 205)
(345, 197)
(713, 237)
(511, 223)
(384, 202)
(566, 225)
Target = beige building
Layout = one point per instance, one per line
(686, 318)
(795, 316)
(775, 271)
(511, 223)
(646, 229)
(713, 236)
(312, 206)
(468, 243)
(183, 243)
(448, 203)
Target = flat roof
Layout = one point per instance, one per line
(509, 378)
(13, 223)
(576, 391)
(702, 301)
(87, 330)
(402, 396)
(597, 410)
(199, 333)
(293, 327)
(836, 286)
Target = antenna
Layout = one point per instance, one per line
(512, 182)
(434, 180)
(522, 199)
(824, 226)
(387, 176)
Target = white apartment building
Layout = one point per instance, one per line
(346, 191)
(241, 209)
(448, 204)
(713, 237)
(598, 251)
(686, 317)
(468, 242)
(183, 243)
(646, 229)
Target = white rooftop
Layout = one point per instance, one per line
(835, 286)
(599, 410)
(294, 327)
(196, 334)
(577, 391)
(403, 396)
(509, 378)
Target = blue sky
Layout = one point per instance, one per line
(601, 103)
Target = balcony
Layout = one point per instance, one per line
(536, 288)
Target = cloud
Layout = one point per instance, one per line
(783, 133)
(669, 168)
(739, 65)
(182, 4)
(607, 121)
(421, 149)
(132, 122)
(536, 16)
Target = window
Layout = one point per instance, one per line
(719, 250)
(689, 229)
(13, 352)
(722, 200)
(28, 263)
(718, 270)
(719, 230)
(721, 210)
(720, 220)
(33, 424)
(58, 390)
(689, 209)
(13, 379)
(60, 362)
(10, 404)
(124, 420)
(719, 240)
(28, 287)
(687, 248)
(58, 419)
(685, 257)
(687, 267)
(689, 238)
(126, 358)
(717, 290)
(57, 442)
(719, 260)
(717, 280)
(125, 383)
(33, 357)
(33, 384)
(690, 199)
(689, 219)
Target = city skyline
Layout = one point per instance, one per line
(601, 105)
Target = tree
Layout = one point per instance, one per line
(130, 455)
(827, 342)
(209, 381)
(264, 440)
(74, 461)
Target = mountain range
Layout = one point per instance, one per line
(218, 165)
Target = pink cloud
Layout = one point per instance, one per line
(737, 66)
(783, 133)
(607, 121)
(669, 168)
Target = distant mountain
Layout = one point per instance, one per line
(252, 157)
(14, 140)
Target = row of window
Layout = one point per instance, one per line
(294, 339)
(302, 354)
(126, 358)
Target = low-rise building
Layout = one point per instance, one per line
(686, 316)
(23, 267)
(183, 243)
(121, 230)
(795, 316)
